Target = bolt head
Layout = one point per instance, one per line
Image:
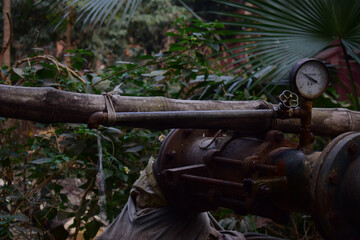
(334, 178)
(353, 148)
(186, 133)
(170, 154)
(279, 137)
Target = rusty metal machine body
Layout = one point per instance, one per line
(252, 172)
(266, 175)
(200, 170)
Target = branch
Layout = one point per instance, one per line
(353, 86)
(83, 199)
(39, 186)
(7, 45)
(50, 58)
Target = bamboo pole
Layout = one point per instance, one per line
(49, 105)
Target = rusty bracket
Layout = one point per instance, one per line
(173, 176)
(306, 137)
(265, 186)
(96, 119)
(273, 139)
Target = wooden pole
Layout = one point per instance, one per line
(7, 33)
(49, 105)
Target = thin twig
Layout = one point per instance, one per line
(50, 58)
(83, 199)
(353, 86)
(294, 225)
(306, 230)
(49, 234)
(38, 187)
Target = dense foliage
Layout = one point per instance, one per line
(51, 174)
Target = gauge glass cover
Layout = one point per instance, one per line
(311, 78)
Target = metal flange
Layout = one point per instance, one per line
(336, 189)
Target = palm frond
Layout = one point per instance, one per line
(98, 11)
(277, 33)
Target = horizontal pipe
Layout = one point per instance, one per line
(235, 162)
(49, 105)
(212, 181)
(212, 119)
(193, 115)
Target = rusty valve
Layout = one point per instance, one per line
(289, 99)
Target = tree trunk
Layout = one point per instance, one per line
(7, 31)
(68, 37)
(49, 105)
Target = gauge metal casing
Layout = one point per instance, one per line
(309, 77)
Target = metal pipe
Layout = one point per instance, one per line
(48, 105)
(235, 162)
(212, 181)
(242, 120)
(193, 115)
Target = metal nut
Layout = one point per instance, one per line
(352, 148)
(334, 178)
(170, 154)
(334, 218)
(279, 137)
(186, 133)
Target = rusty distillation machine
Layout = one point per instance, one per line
(237, 156)
(253, 171)
(266, 174)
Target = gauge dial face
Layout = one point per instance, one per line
(309, 77)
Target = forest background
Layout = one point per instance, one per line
(50, 186)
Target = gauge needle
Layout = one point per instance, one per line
(312, 79)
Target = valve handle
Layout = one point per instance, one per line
(289, 99)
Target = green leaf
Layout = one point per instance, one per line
(172, 34)
(21, 217)
(174, 48)
(112, 130)
(91, 229)
(215, 46)
(146, 57)
(107, 173)
(41, 161)
(135, 149)
(19, 72)
(97, 11)
(186, 73)
(95, 79)
(103, 85)
(157, 73)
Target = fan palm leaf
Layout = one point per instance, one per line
(275, 34)
(97, 11)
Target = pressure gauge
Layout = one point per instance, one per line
(309, 77)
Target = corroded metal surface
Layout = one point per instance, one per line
(336, 189)
(306, 137)
(201, 170)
